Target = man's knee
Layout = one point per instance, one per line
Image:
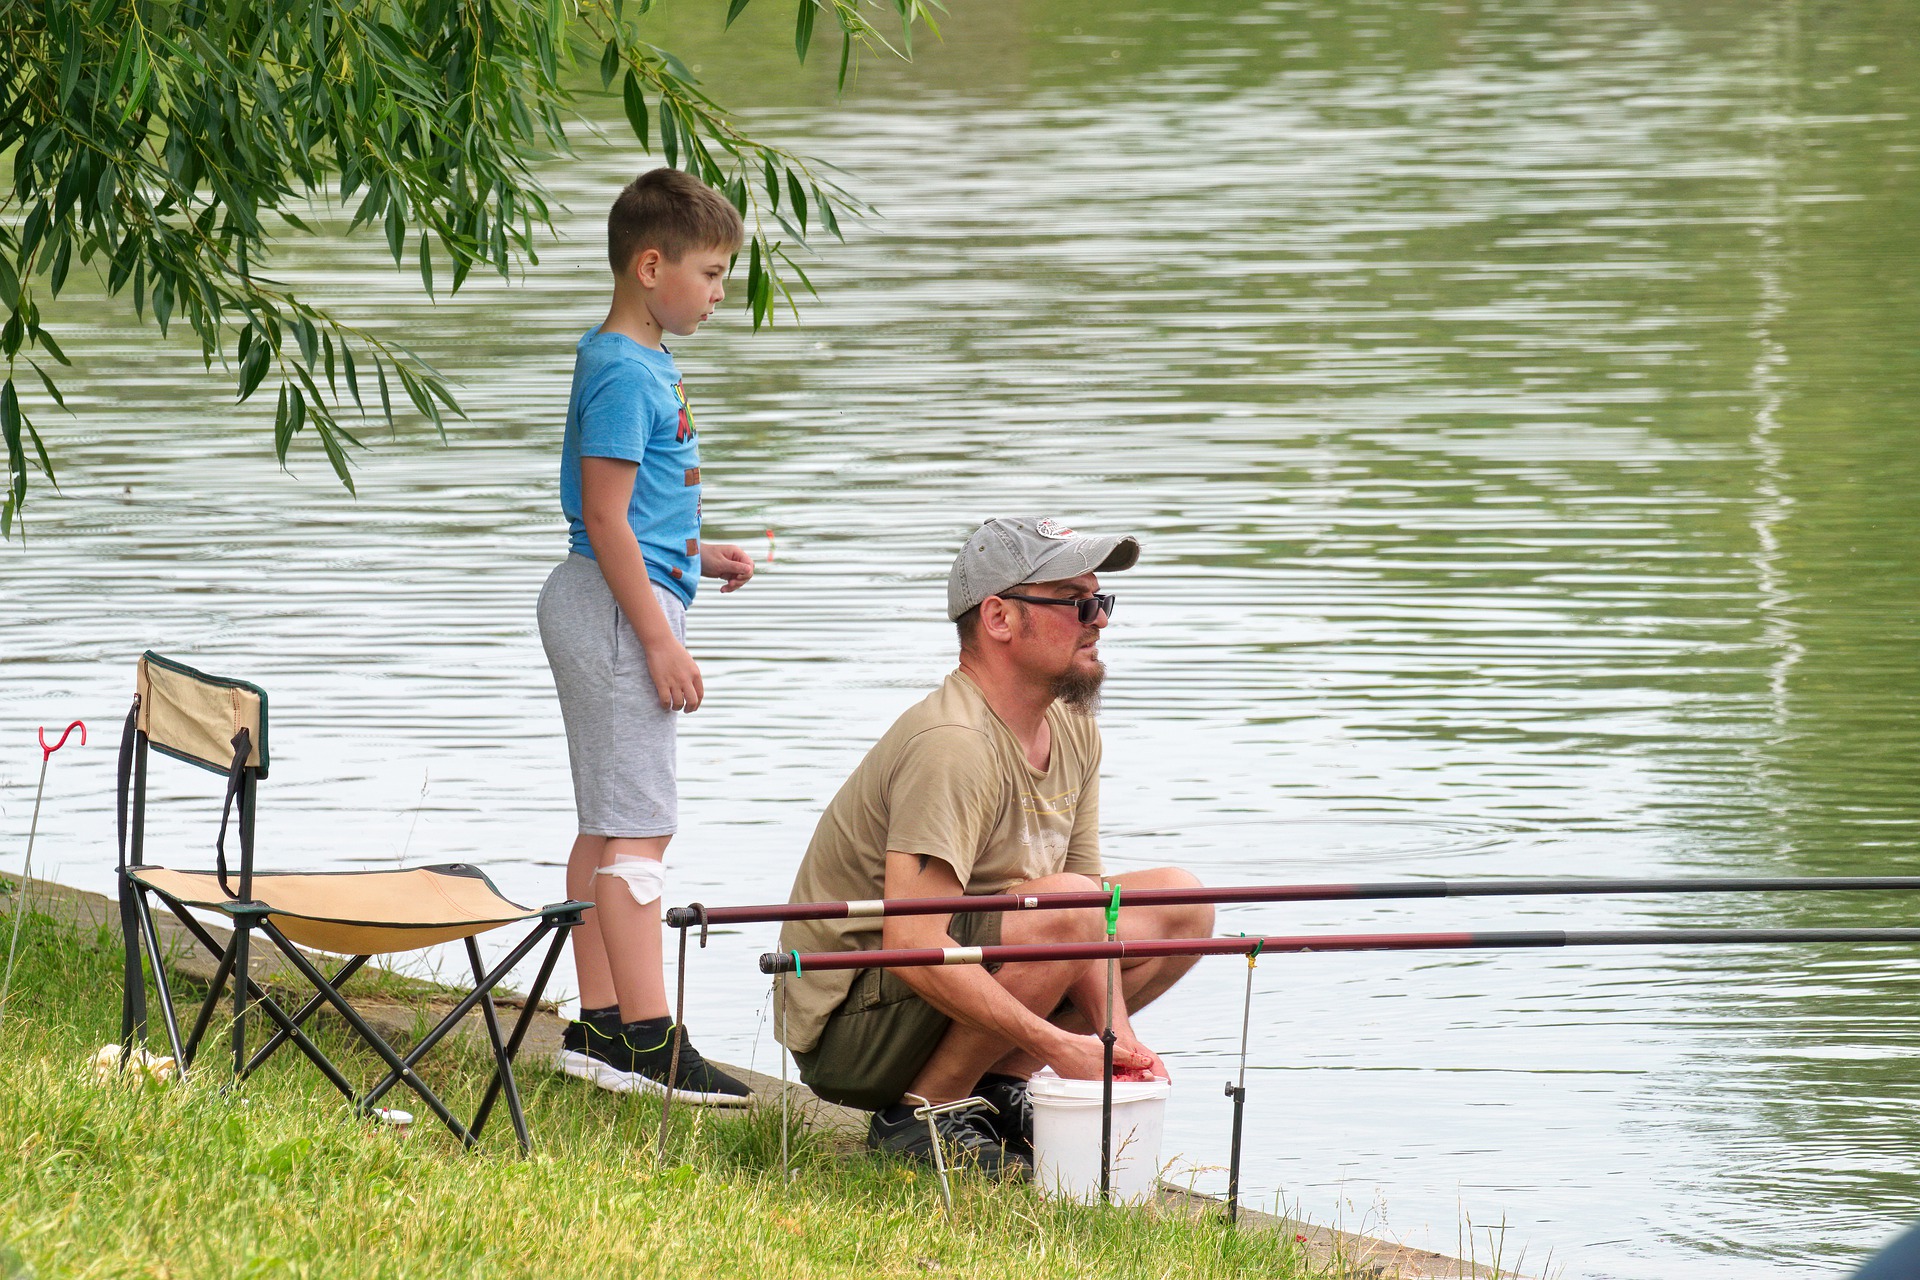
(1078, 924)
(1178, 920)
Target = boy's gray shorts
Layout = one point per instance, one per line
(619, 740)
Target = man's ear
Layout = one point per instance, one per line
(996, 618)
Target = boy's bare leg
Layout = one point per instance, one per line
(617, 949)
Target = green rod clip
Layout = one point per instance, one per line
(1113, 914)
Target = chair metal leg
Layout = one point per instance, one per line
(460, 1010)
(526, 1016)
(243, 979)
(301, 1015)
(502, 1065)
(133, 991)
(376, 1042)
(221, 973)
(152, 940)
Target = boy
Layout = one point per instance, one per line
(612, 620)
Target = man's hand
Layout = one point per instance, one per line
(1085, 1057)
(724, 560)
(676, 678)
(1148, 1061)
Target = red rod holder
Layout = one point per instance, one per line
(46, 752)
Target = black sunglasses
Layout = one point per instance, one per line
(1088, 607)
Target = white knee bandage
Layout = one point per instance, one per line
(646, 878)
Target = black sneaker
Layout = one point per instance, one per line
(697, 1081)
(964, 1134)
(1012, 1119)
(591, 1049)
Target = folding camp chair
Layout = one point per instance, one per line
(221, 725)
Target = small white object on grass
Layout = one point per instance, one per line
(140, 1065)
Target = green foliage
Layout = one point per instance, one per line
(165, 143)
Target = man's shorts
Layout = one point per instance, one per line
(876, 1042)
(620, 741)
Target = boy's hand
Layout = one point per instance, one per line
(676, 677)
(724, 560)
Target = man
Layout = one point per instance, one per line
(989, 785)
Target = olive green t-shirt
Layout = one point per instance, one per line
(948, 781)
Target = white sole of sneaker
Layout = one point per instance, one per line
(585, 1067)
(595, 1072)
(646, 1084)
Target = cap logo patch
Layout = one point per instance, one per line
(1051, 528)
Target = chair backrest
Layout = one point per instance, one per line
(193, 716)
(198, 718)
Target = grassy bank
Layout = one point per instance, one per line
(123, 1180)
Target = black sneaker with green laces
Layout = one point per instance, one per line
(964, 1135)
(636, 1058)
(591, 1049)
(695, 1080)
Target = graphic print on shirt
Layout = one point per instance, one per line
(685, 433)
(1044, 845)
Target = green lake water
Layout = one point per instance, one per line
(1517, 404)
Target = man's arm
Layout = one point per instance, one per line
(606, 489)
(1089, 996)
(968, 993)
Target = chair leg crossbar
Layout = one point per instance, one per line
(249, 918)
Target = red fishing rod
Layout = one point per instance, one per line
(925, 957)
(696, 915)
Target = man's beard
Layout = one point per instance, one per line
(1079, 688)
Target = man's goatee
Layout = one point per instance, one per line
(1080, 690)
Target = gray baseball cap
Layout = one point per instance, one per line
(1002, 554)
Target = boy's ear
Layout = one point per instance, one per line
(645, 267)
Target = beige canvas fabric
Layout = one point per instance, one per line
(948, 781)
(357, 913)
(196, 718)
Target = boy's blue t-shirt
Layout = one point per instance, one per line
(627, 402)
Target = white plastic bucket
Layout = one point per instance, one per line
(1066, 1136)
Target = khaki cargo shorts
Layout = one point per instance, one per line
(876, 1042)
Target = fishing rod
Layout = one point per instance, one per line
(924, 957)
(696, 915)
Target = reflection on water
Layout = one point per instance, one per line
(1516, 407)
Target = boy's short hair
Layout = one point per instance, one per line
(672, 211)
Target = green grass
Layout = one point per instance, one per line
(121, 1179)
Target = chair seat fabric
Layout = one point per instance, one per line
(357, 912)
